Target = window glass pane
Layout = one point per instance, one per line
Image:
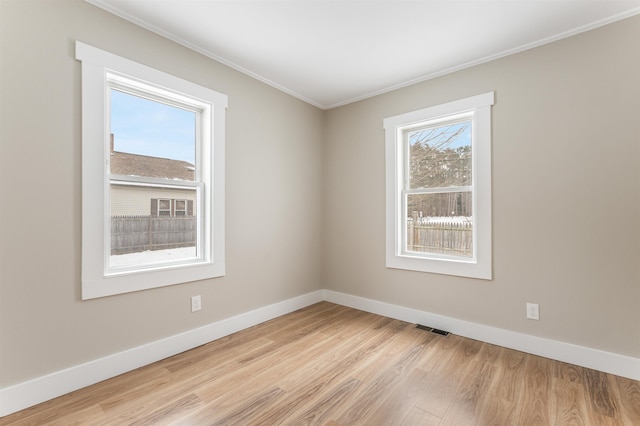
(151, 139)
(440, 156)
(180, 207)
(440, 223)
(143, 229)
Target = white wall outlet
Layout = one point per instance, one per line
(196, 303)
(533, 311)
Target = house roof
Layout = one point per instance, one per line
(123, 163)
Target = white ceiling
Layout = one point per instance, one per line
(333, 52)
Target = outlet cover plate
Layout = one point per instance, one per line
(196, 303)
(533, 311)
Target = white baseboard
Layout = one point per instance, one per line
(607, 362)
(32, 392)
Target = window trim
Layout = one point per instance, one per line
(176, 210)
(159, 210)
(479, 109)
(99, 70)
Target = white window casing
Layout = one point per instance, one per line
(102, 71)
(477, 110)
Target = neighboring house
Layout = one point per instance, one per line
(128, 199)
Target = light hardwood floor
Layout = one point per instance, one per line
(331, 365)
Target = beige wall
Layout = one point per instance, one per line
(305, 194)
(566, 194)
(273, 210)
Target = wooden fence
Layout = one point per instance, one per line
(130, 234)
(452, 238)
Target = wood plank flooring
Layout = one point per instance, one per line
(331, 365)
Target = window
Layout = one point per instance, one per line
(152, 177)
(181, 207)
(438, 179)
(172, 208)
(164, 207)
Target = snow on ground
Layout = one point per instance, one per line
(428, 220)
(155, 256)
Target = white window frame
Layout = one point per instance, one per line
(175, 208)
(159, 200)
(100, 70)
(478, 110)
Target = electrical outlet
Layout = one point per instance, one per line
(533, 311)
(196, 303)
